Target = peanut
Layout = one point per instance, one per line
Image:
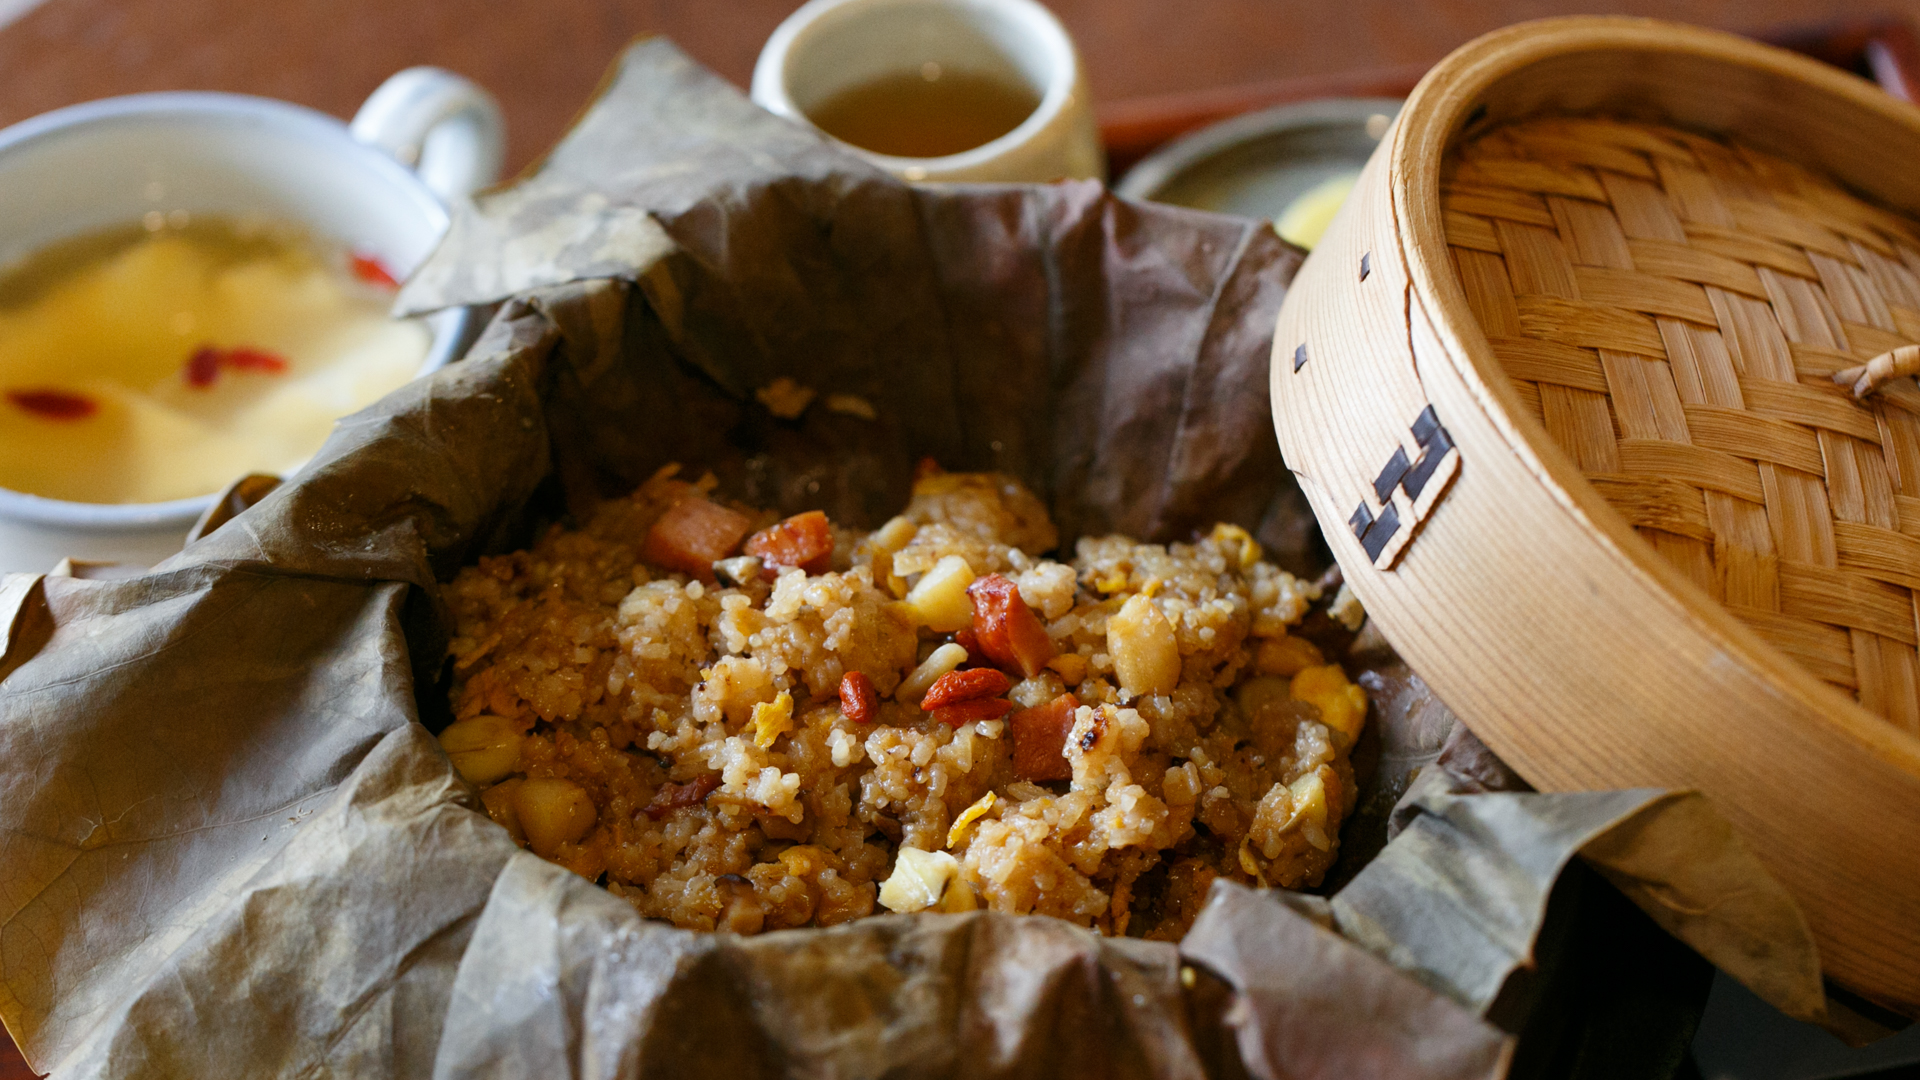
(939, 600)
(1145, 653)
(553, 812)
(484, 748)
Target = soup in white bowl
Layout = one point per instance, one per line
(159, 360)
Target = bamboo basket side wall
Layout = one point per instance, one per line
(1659, 73)
(1529, 602)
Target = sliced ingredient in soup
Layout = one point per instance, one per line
(150, 364)
(53, 404)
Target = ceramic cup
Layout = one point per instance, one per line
(109, 162)
(832, 45)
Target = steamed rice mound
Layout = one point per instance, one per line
(687, 742)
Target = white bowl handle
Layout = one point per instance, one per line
(443, 126)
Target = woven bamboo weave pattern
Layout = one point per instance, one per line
(1671, 308)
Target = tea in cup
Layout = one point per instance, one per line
(988, 90)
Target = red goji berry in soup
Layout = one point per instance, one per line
(54, 404)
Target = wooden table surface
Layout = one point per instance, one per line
(1144, 57)
(544, 58)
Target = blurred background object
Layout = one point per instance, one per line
(1294, 163)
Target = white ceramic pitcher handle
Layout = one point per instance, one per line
(443, 126)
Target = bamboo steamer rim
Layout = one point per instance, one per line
(1435, 115)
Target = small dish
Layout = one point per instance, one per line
(1255, 165)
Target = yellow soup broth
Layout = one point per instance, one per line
(161, 361)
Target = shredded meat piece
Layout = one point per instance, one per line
(1040, 739)
(693, 535)
(1008, 631)
(803, 540)
(673, 797)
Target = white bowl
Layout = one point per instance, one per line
(107, 163)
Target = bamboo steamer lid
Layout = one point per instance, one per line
(1557, 383)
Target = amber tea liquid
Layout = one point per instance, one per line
(926, 113)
